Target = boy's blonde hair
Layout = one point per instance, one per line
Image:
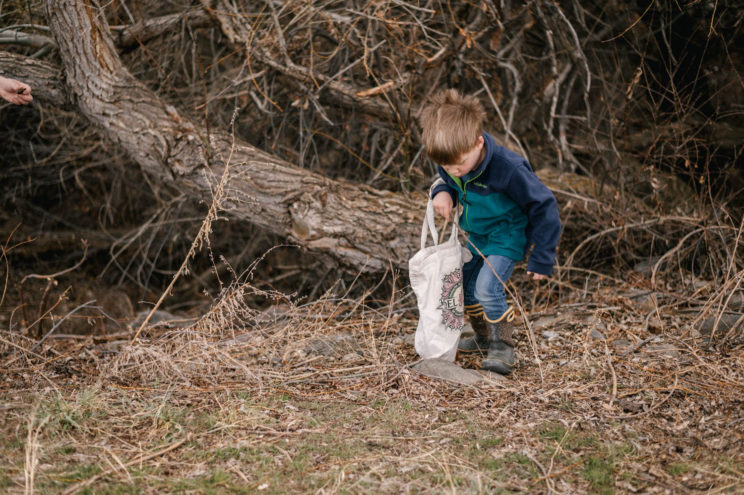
(451, 124)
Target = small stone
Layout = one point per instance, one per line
(630, 406)
(620, 345)
(410, 339)
(643, 298)
(667, 351)
(645, 267)
(723, 324)
(549, 321)
(596, 334)
(159, 317)
(445, 370)
(655, 325)
(332, 345)
(350, 357)
(596, 323)
(550, 335)
(492, 375)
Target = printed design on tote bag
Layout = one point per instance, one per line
(451, 302)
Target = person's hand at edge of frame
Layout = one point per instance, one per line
(15, 92)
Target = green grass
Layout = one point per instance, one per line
(599, 472)
(289, 444)
(217, 481)
(5, 481)
(677, 468)
(570, 441)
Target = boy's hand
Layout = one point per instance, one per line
(536, 276)
(443, 204)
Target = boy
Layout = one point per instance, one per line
(505, 210)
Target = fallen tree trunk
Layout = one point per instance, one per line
(359, 226)
(45, 79)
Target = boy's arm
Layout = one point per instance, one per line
(541, 209)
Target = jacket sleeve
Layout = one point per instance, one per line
(442, 186)
(541, 208)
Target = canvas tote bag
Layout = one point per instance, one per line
(436, 278)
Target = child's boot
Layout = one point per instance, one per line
(479, 341)
(500, 356)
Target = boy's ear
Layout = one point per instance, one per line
(480, 142)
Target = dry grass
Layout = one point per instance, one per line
(320, 398)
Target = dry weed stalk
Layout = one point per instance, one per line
(33, 445)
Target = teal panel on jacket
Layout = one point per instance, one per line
(494, 221)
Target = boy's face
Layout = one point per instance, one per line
(467, 161)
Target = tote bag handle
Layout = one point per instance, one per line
(429, 220)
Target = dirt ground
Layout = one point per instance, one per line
(612, 394)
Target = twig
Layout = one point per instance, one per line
(56, 325)
(612, 370)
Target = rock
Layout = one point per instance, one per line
(445, 370)
(667, 351)
(350, 357)
(549, 321)
(340, 344)
(158, 318)
(620, 345)
(492, 375)
(643, 298)
(655, 325)
(596, 334)
(550, 335)
(630, 406)
(645, 267)
(728, 320)
(410, 339)
(116, 304)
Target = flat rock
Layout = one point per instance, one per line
(621, 345)
(550, 335)
(159, 317)
(667, 351)
(726, 323)
(550, 321)
(337, 345)
(596, 334)
(445, 370)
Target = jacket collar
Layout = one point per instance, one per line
(488, 146)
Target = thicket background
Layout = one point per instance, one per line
(632, 112)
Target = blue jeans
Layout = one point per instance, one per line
(480, 285)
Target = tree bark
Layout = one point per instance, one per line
(359, 226)
(44, 78)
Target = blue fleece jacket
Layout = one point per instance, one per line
(506, 209)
